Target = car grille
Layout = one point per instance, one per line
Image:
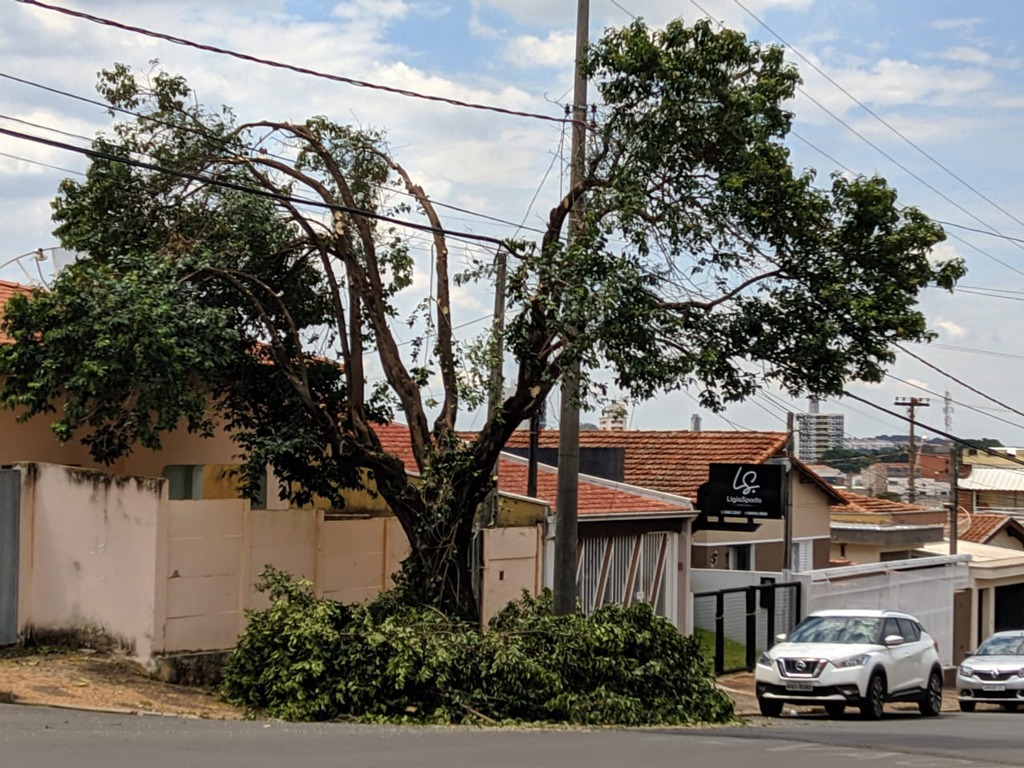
(994, 676)
(800, 667)
(821, 691)
(981, 695)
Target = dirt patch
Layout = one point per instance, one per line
(101, 681)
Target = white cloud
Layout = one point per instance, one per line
(556, 50)
(943, 252)
(965, 24)
(966, 54)
(952, 330)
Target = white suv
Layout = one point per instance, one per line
(862, 658)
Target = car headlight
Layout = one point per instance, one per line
(764, 660)
(853, 661)
(967, 671)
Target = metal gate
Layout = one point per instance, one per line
(625, 569)
(735, 625)
(10, 512)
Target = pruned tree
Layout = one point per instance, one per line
(703, 259)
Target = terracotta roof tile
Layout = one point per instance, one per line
(855, 502)
(7, 290)
(671, 461)
(595, 497)
(982, 527)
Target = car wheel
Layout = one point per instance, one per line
(931, 704)
(1010, 706)
(770, 707)
(835, 709)
(968, 706)
(874, 702)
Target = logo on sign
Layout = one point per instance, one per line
(745, 484)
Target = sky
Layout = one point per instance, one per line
(940, 115)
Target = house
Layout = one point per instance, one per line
(996, 530)
(677, 462)
(991, 487)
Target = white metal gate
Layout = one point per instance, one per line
(628, 569)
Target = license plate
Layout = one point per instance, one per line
(993, 687)
(799, 687)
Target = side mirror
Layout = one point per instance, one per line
(893, 640)
(780, 638)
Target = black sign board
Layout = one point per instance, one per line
(749, 491)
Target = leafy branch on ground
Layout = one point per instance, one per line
(307, 658)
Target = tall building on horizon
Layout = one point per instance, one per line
(816, 432)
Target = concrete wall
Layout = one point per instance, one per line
(205, 574)
(512, 563)
(88, 554)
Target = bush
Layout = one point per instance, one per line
(310, 659)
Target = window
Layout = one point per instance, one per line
(184, 481)
(739, 558)
(891, 627)
(910, 631)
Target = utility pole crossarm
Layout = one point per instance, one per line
(912, 404)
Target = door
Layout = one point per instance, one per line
(10, 512)
(918, 668)
(1010, 607)
(961, 624)
(899, 668)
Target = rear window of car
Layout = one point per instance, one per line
(910, 630)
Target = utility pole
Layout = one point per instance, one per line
(912, 404)
(954, 497)
(531, 465)
(495, 395)
(569, 419)
(787, 501)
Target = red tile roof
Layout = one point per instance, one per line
(671, 461)
(981, 528)
(7, 290)
(596, 496)
(855, 502)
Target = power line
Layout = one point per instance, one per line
(964, 384)
(959, 239)
(250, 190)
(622, 8)
(973, 350)
(289, 67)
(962, 405)
(934, 430)
(223, 142)
(44, 165)
(878, 117)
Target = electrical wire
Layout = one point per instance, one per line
(250, 190)
(963, 384)
(878, 117)
(289, 67)
(44, 165)
(956, 402)
(223, 142)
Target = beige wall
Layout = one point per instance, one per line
(204, 569)
(285, 539)
(512, 563)
(87, 557)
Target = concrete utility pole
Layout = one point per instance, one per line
(954, 496)
(495, 395)
(569, 419)
(912, 404)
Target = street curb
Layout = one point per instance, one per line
(18, 701)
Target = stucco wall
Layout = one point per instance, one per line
(204, 571)
(88, 553)
(512, 563)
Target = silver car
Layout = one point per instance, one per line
(994, 674)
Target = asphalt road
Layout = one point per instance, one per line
(32, 737)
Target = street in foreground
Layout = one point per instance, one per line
(36, 737)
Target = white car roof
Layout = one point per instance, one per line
(851, 613)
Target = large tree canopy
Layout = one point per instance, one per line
(703, 259)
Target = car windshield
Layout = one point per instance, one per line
(837, 629)
(1011, 645)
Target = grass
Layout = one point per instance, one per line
(735, 654)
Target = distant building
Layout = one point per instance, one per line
(817, 432)
(696, 423)
(613, 417)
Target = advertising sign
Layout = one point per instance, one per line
(749, 491)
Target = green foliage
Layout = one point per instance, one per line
(849, 460)
(311, 659)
